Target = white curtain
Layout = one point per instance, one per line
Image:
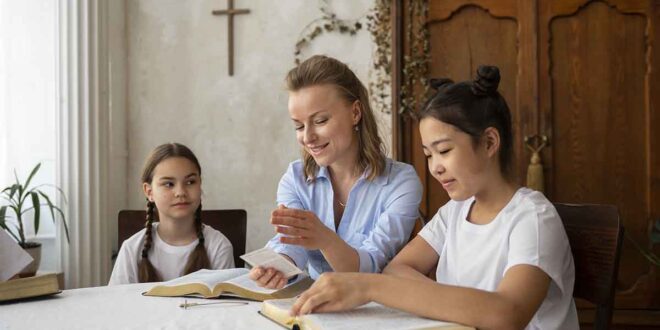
(85, 148)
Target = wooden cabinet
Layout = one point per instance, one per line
(584, 74)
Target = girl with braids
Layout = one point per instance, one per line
(345, 206)
(502, 255)
(179, 243)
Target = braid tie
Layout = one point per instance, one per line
(148, 225)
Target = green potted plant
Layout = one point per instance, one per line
(18, 199)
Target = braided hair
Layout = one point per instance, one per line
(146, 271)
(198, 258)
(472, 107)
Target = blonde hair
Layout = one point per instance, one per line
(321, 70)
(198, 259)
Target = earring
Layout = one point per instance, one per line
(356, 127)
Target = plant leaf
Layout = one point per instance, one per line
(32, 208)
(3, 211)
(34, 171)
(53, 186)
(11, 234)
(13, 190)
(15, 235)
(37, 211)
(66, 229)
(50, 205)
(3, 223)
(18, 186)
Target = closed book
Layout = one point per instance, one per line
(28, 287)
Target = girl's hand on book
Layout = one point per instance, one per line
(269, 278)
(301, 227)
(332, 292)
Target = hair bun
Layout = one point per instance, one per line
(437, 83)
(486, 81)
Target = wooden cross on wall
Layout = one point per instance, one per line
(230, 12)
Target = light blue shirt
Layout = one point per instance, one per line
(377, 221)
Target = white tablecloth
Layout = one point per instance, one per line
(123, 307)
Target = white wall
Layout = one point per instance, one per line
(179, 90)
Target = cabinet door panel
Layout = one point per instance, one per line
(461, 39)
(594, 88)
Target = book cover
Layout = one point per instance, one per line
(28, 287)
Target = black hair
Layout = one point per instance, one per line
(473, 106)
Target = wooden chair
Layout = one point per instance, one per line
(595, 235)
(232, 223)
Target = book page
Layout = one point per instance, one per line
(208, 277)
(245, 282)
(12, 257)
(266, 257)
(284, 304)
(372, 316)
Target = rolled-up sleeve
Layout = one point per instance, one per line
(394, 224)
(288, 196)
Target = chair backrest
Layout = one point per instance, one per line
(595, 235)
(232, 223)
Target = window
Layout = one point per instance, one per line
(28, 102)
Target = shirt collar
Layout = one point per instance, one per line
(382, 179)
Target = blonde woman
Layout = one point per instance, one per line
(345, 206)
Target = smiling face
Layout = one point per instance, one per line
(453, 159)
(324, 123)
(175, 188)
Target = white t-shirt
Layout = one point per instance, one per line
(169, 260)
(527, 230)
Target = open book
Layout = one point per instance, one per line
(369, 316)
(213, 283)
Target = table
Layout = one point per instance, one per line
(123, 307)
